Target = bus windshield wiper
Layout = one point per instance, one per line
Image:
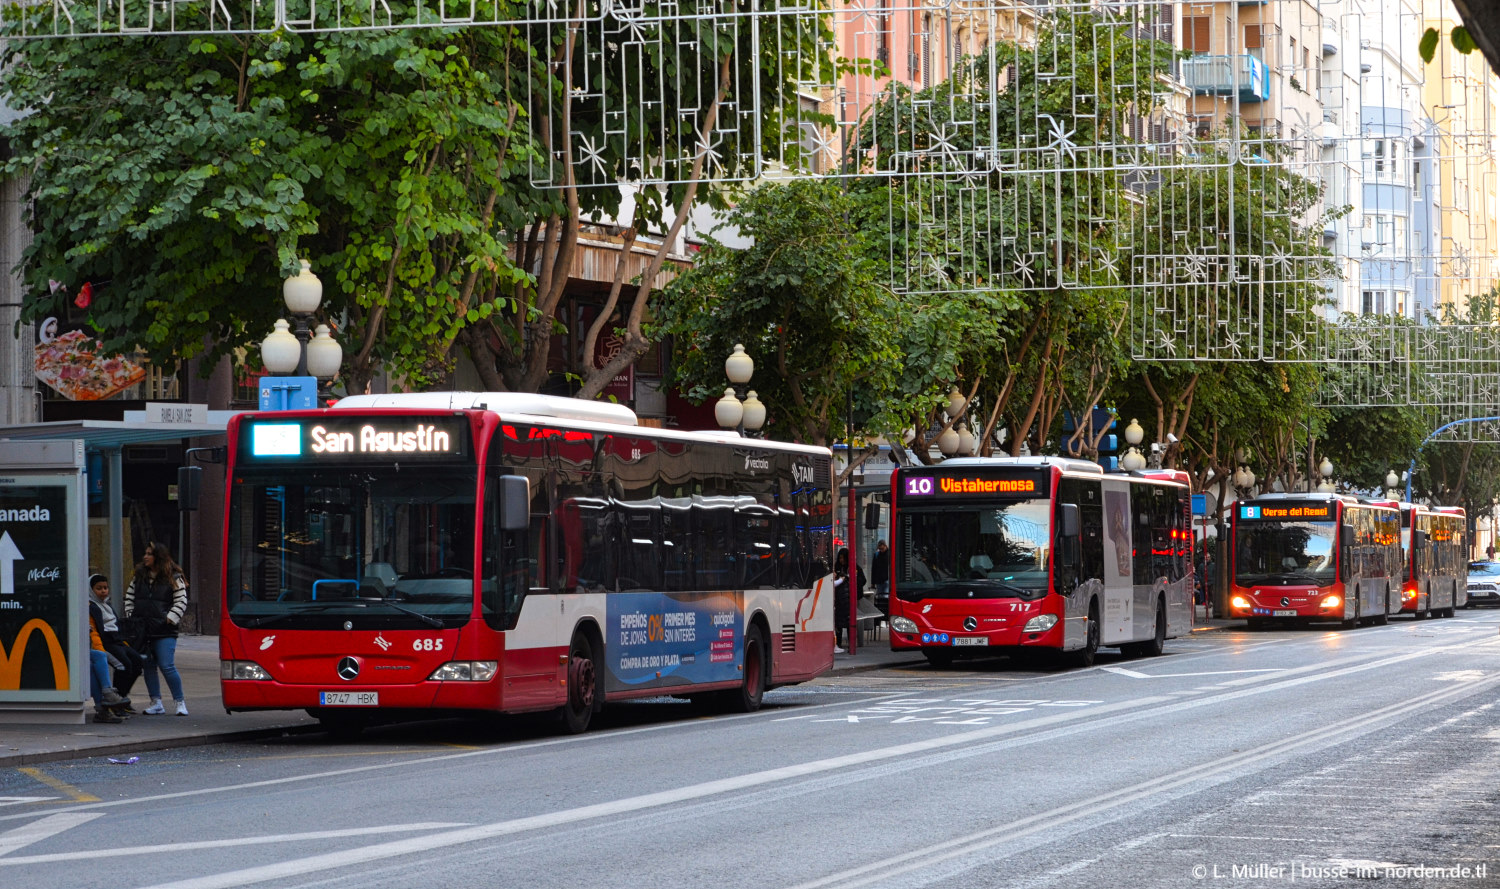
(283, 615)
(425, 618)
(964, 586)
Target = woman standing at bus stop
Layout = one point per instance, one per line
(158, 596)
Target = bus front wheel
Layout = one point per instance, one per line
(582, 686)
(1084, 657)
(938, 657)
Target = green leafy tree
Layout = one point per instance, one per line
(186, 176)
(1033, 287)
(806, 302)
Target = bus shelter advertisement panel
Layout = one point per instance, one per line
(666, 640)
(34, 611)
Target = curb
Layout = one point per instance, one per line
(154, 744)
(869, 668)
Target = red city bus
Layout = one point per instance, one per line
(1310, 557)
(1437, 563)
(1038, 554)
(461, 552)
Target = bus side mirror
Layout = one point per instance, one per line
(1070, 526)
(1346, 535)
(515, 502)
(872, 516)
(1418, 539)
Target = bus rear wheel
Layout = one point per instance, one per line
(747, 698)
(1154, 646)
(582, 686)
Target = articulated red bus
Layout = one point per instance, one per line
(1310, 557)
(1437, 561)
(1038, 554)
(403, 554)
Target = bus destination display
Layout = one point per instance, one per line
(342, 438)
(1289, 512)
(975, 484)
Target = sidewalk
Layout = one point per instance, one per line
(207, 723)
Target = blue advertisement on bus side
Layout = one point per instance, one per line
(666, 640)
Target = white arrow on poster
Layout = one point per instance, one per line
(9, 555)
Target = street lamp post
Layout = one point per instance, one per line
(1325, 469)
(1133, 459)
(306, 361)
(730, 411)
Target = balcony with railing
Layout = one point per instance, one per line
(1221, 75)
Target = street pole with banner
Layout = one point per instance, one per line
(44, 639)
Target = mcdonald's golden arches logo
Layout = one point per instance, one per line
(10, 662)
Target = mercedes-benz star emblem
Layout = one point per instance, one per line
(348, 669)
(1285, 601)
(970, 623)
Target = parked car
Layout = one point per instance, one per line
(1484, 583)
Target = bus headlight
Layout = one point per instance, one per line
(466, 671)
(1239, 602)
(1040, 624)
(1332, 601)
(242, 670)
(903, 625)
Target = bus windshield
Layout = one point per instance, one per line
(379, 547)
(1285, 554)
(997, 550)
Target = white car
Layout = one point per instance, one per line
(1484, 583)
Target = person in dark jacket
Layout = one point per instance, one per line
(880, 575)
(841, 596)
(157, 595)
(103, 615)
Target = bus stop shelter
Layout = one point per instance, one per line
(108, 438)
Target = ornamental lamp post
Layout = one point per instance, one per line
(732, 412)
(1325, 469)
(304, 362)
(1133, 459)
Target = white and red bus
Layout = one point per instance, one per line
(1437, 561)
(402, 554)
(1038, 554)
(1312, 557)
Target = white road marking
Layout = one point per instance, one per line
(22, 800)
(406, 765)
(1207, 774)
(1134, 675)
(222, 843)
(41, 829)
(363, 855)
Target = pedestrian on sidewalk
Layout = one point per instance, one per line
(158, 595)
(115, 645)
(880, 575)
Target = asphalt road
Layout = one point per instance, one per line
(1317, 757)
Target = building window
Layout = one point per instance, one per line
(1372, 302)
(1196, 30)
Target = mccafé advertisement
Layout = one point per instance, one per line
(35, 612)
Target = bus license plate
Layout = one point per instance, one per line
(971, 640)
(1290, 612)
(349, 698)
